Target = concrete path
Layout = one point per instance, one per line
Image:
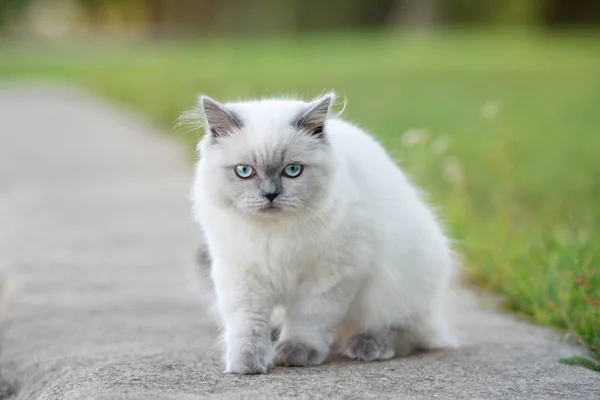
(95, 226)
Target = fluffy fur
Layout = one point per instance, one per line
(348, 249)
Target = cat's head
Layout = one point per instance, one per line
(267, 158)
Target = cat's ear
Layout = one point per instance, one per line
(312, 120)
(219, 121)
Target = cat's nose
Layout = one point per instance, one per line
(271, 195)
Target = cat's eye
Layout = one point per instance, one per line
(292, 170)
(244, 171)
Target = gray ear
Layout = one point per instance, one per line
(312, 120)
(219, 121)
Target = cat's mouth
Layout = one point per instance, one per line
(269, 208)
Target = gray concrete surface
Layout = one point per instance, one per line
(95, 230)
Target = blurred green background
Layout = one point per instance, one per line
(493, 107)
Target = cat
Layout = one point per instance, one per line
(301, 210)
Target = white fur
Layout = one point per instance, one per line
(370, 257)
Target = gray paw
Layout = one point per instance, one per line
(254, 360)
(370, 347)
(294, 353)
(275, 333)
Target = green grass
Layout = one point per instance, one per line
(507, 142)
(582, 362)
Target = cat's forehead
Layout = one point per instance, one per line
(268, 135)
(276, 147)
(275, 111)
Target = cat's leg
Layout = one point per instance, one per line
(357, 342)
(245, 311)
(310, 325)
(371, 346)
(277, 321)
(384, 344)
(418, 335)
(382, 332)
(425, 332)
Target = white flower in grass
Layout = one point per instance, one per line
(440, 145)
(414, 136)
(453, 172)
(490, 109)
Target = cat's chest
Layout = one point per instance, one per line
(283, 260)
(288, 264)
(281, 252)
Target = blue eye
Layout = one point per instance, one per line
(244, 171)
(292, 170)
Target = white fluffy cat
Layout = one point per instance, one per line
(304, 211)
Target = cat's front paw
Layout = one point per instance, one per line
(294, 353)
(255, 360)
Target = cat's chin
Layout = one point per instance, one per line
(270, 209)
